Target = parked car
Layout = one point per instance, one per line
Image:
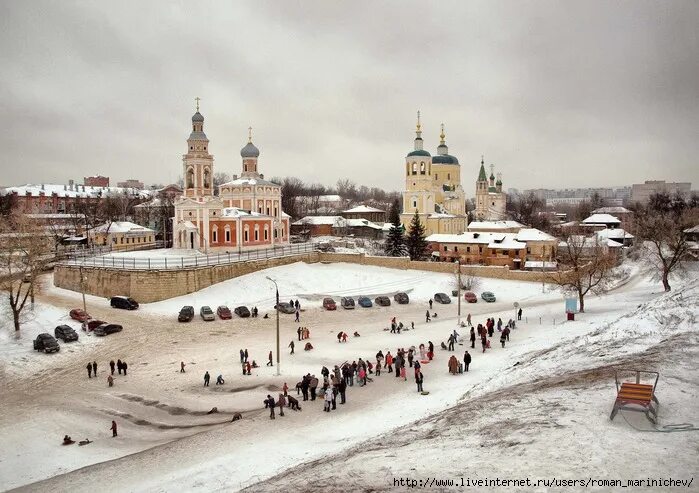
(329, 304)
(364, 302)
(207, 314)
(92, 324)
(106, 329)
(123, 302)
(401, 298)
(442, 298)
(186, 314)
(347, 303)
(285, 307)
(488, 296)
(242, 311)
(470, 297)
(47, 343)
(79, 314)
(383, 301)
(65, 333)
(224, 313)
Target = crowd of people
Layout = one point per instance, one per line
(120, 365)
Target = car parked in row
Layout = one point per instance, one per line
(329, 304)
(123, 302)
(488, 296)
(47, 343)
(106, 329)
(207, 313)
(285, 307)
(186, 314)
(470, 297)
(79, 314)
(442, 298)
(66, 333)
(224, 313)
(364, 302)
(90, 325)
(242, 311)
(401, 298)
(382, 301)
(347, 303)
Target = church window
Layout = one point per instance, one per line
(207, 179)
(245, 167)
(246, 234)
(468, 249)
(445, 248)
(191, 148)
(415, 168)
(204, 147)
(275, 211)
(436, 177)
(415, 203)
(529, 251)
(266, 232)
(190, 178)
(268, 210)
(493, 203)
(422, 168)
(228, 235)
(190, 213)
(448, 176)
(257, 233)
(456, 248)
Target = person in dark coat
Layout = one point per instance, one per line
(269, 358)
(418, 380)
(473, 338)
(431, 303)
(430, 349)
(467, 360)
(291, 345)
(207, 377)
(181, 367)
(519, 314)
(305, 384)
(484, 342)
(342, 388)
(111, 366)
(119, 366)
(451, 342)
(506, 333)
(427, 316)
(89, 370)
(313, 384)
(503, 338)
(490, 330)
(298, 331)
(242, 356)
(293, 403)
(124, 366)
(270, 403)
(114, 429)
(245, 354)
(94, 368)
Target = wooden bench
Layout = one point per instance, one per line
(636, 396)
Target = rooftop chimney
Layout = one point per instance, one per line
(70, 184)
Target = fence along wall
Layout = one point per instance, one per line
(147, 286)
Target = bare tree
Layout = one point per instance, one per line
(664, 245)
(529, 210)
(24, 251)
(584, 265)
(220, 178)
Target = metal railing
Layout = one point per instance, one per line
(197, 260)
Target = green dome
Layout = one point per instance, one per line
(444, 159)
(419, 153)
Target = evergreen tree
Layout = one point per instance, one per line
(415, 241)
(395, 241)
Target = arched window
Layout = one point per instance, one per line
(414, 168)
(422, 167)
(228, 234)
(207, 179)
(266, 232)
(257, 232)
(190, 178)
(246, 234)
(214, 235)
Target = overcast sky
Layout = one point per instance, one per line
(555, 94)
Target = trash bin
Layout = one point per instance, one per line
(571, 316)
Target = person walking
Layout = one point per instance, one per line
(342, 388)
(281, 402)
(124, 366)
(451, 342)
(468, 320)
(298, 313)
(297, 305)
(245, 355)
(328, 399)
(269, 358)
(473, 338)
(484, 342)
(89, 370)
(291, 345)
(427, 316)
(467, 360)
(207, 377)
(110, 380)
(503, 338)
(114, 429)
(519, 314)
(269, 402)
(313, 383)
(242, 356)
(94, 368)
(506, 333)
(118, 365)
(111, 366)
(285, 389)
(298, 331)
(418, 380)
(430, 303)
(181, 366)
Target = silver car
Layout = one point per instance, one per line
(207, 314)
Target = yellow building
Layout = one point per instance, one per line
(433, 188)
(123, 235)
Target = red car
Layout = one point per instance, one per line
(223, 313)
(470, 297)
(91, 325)
(79, 314)
(329, 304)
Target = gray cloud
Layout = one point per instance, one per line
(556, 94)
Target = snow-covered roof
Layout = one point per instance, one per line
(695, 229)
(83, 191)
(55, 216)
(614, 234)
(538, 264)
(440, 215)
(363, 208)
(317, 220)
(614, 244)
(494, 225)
(358, 223)
(533, 234)
(249, 181)
(121, 227)
(507, 243)
(238, 212)
(611, 210)
(602, 219)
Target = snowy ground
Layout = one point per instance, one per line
(167, 441)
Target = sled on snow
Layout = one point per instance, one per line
(636, 396)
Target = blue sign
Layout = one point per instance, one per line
(571, 305)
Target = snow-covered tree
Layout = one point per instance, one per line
(415, 241)
(395, 241)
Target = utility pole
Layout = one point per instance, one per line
(277, 309)
(82, 288)
(458, 276)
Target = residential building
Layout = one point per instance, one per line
(122, 235)
(96, 181)
(641, 192)
(131, 184)
(365, 212)
(495, 249)
(507, 226)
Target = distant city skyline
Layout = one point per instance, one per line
(555, 94)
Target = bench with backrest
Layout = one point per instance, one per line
(637, 396)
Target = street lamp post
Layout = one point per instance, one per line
(276, 306)
(458, 277)
(82, 288)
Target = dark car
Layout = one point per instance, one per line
(46, 343)
(488, 296)
(329, 304)
(364, 302)
(106, 329)
(207, 314)
(92, 324)
(65, 333)
(242, 311)
(123, 302)
(347, 303)
(79, 314)
(401, 298)
(470, 297)
(285, 307)
(442, 298)
(224, 313)
(186, 314)
(383, 301)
